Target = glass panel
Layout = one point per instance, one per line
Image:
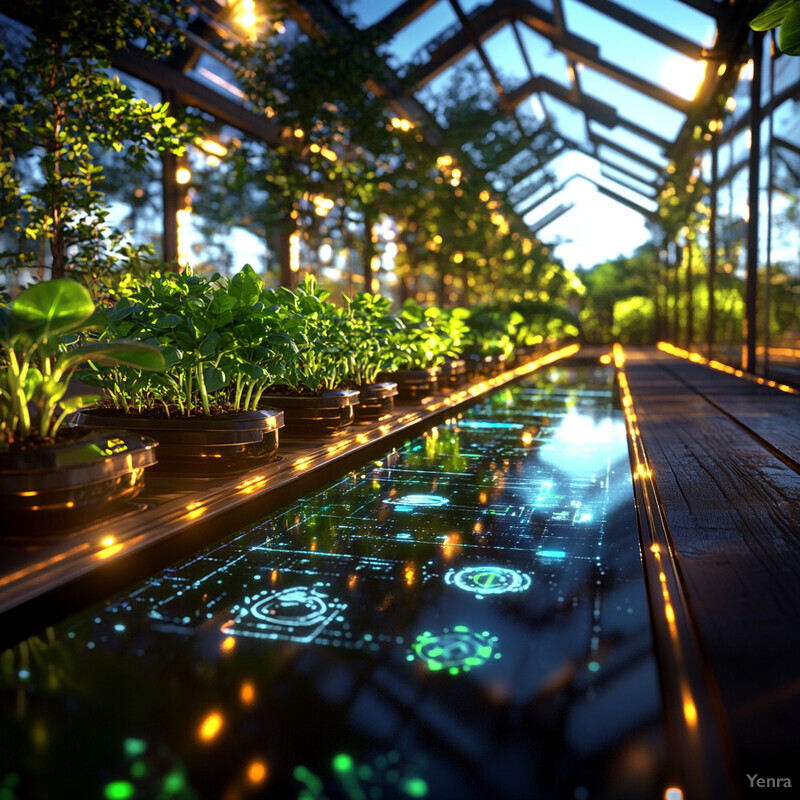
(544, 58)
(678, 17)
(632, 104)
(567, 120)
(613, 157)
(631, 141)
(504, 55)
(463, 618)
(633, 51)
(415, 42)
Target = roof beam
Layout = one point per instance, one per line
(624, 171)
(193, 93)
(710, 7)
(601, 141)
(401, 16)
(646, 27)
(630, 186)
(625, 201)
(551, 217)
(483, 24)
(583, 51)
(592, 107)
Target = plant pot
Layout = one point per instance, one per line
(375, 400)
(201, 445)
(413, 385)
(72, 482)
(315, 415)
(452, 373)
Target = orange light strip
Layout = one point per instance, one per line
(696, 358)
(666, 595)
(504, 377)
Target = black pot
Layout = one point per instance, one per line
(452, 373)
(202, 445)
(413, 385)
(315, 415)
(72, 482)
(375, 400)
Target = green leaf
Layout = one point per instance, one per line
(49, 308)
(772, 16)
(124, 353)
(215, 379)
(71, 404)
(169, 321)
(789, 33)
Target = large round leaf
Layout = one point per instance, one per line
(49, 308)
(124, 353)
(789, 32)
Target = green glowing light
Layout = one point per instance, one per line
(306, 776)
(593, 666)
(138, 769)
(175, 782)
(415, 787)
(457, 650)
(343, 763)
(118, 790)
(134, 747)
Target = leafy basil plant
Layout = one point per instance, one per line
(371, 331)
(222, 345)
(39, 358)
(324, 357)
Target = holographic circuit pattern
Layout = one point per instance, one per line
(457, 650)
(488, 580)
(349, 645)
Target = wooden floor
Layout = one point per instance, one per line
(725, 455)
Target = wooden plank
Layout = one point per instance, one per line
(733, 509)
(769, 413)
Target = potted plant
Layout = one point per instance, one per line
(421, 352)
(452, 327)
(369, 327)
(309, 390)
(489, 344)
(60, 473)
(222, 349)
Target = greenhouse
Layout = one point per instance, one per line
(399, 399)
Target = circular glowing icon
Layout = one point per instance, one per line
(299, 605)
(483, 581)
(456, 650)
(432, 500)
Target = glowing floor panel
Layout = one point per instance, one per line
(463, 618)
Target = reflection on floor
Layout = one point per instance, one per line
(464, 618)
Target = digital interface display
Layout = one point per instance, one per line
(463, 618)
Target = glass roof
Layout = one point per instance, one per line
(617, 79)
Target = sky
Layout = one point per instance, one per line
(595, 228)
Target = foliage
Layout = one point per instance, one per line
(634, 319)
(786, 14)
(61, 107)
(370, 331)
(37, 367)
(314, 326)
(222, 345)
(427, 337)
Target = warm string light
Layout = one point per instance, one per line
(719, 366)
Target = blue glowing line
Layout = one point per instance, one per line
(551, 554)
